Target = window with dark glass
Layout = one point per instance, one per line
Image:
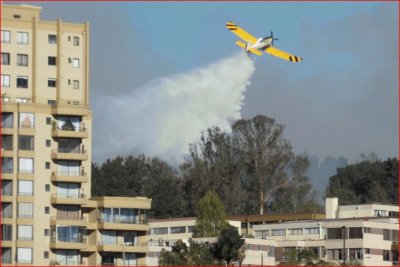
(6, 230)
(51, 82)
(22, 60)
(52, 61)
(6, 187)
(355, 232)
(52, 39)
(25, 142)
(7, 142)
(22, 82)
(5, 58)
(6, 165)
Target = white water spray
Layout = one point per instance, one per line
(164, 116)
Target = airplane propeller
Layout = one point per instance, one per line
(272, 38)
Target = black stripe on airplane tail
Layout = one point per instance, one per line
(290, 58)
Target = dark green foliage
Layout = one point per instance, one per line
(230, 246)
(366, 182)
(140, 176)
(196, 254)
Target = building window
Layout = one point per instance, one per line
(22, 60)
(71, 257)
(295, 231)
(46, 255)
(46, 210)
(386, 255)
(5, 80)
(51, 102)
(76, 41)
(25, 142)
(355, 232)
(159, 231)
(22, 82)
(190, 229)
(24, 232)
(6, 187)
(335, 233)
(48, 143)
(21, 100)
(47, 187)
(380, 213)
(355, 253)
(5, 36)
(22, 38)
(6, 210)
(6, 165)
(26, 120)
(47, 165)
(278, 232)
(52, 39)
(76, 84)
(7, 142)
(46, 232)
(310, 231)
(6, 230)
(51, 82)
(25, 210)
(5, 58)
(386, 234)
(52, 61)
(177, 230)
(24, 255)
(5, 255)
(48, 120)
(75, 62)
(25, 188)
(25, 165)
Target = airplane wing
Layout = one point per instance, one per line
(273, 51)
(240, 32)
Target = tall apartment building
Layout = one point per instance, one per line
(47, 214)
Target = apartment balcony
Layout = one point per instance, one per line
(69, 154)
(68, 199)
(69, 176)
(78, 243)
(130, 247)
(81, 132)
(67, 263)
(123, 224)
(70, 108)
(71, 221)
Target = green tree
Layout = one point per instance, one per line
(230, 247)
(215, 165)
(211, 218)
(196, 254)
(271, 166)
(366, 182)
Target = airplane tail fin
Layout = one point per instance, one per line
(250, 50)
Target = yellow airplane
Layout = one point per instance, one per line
(254, 45)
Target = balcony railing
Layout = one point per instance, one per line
(69, 195)
(80, 172)
(25, 170)
(123, 244)
(69, 217)
(6, 170)
(25, 216)
(123, 220)
(81, 239)
(79, 150)
(72, 129)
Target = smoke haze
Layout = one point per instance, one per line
(164, 116)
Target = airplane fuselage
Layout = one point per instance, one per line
(261, 43)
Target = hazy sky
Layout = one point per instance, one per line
(342, 100)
